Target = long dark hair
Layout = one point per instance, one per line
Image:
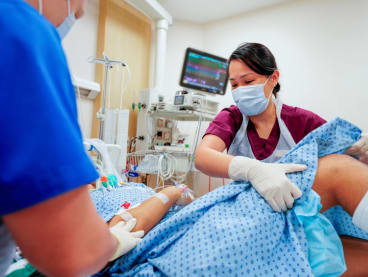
(258, 58)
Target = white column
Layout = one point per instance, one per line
(161, 42)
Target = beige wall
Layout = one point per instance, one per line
(123, 34)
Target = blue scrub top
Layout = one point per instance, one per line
(41, 149)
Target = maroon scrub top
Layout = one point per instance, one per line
(300, 122)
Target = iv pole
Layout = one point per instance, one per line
(108, 64)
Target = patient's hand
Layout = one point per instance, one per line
(186, 196)
(115, 220)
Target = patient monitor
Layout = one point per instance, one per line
(202, 73)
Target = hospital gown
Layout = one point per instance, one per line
(232, 231)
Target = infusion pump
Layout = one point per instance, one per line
(186, 100)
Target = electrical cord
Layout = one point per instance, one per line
(192, 158)
(132, 144)
(165, 168)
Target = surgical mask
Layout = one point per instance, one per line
(64, 28)
(251, 99)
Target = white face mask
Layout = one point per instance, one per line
(251, 99)
(64, 28)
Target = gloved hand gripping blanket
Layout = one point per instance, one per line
(232, 231)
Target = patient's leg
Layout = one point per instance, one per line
(355, 252)
(341, 180)
(150, 212)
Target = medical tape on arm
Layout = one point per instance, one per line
(163, 197)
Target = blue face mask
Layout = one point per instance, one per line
(251, 99)
(64, 28)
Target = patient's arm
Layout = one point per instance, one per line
(150, 212)
(341, 180)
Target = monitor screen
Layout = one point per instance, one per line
(205, 72)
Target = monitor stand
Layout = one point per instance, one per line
(200, 93)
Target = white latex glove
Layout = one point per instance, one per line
(127, 240)
(268, 179)
(360, 148)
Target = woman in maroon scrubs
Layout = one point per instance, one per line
(258, 130)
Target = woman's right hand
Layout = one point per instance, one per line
(269, 180)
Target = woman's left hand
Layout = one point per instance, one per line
(360, 148)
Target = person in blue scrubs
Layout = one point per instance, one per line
(45, 207)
